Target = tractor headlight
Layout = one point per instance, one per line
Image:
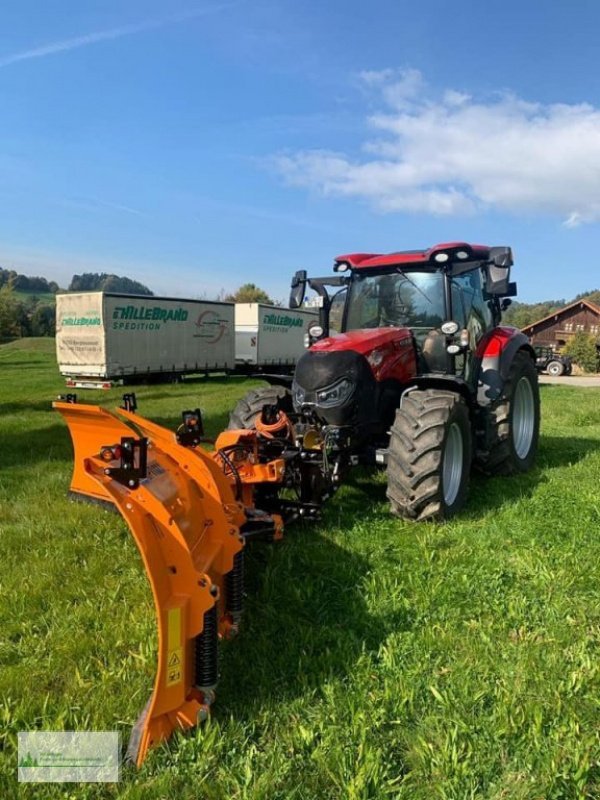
(336, 394)
(298, 395)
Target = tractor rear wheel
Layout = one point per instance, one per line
(429, 456)
(514, 420)
(246, 410)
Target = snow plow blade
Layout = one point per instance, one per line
(184, 517)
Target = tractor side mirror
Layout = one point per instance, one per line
(501, 257)
(497, 278)
(298, 289)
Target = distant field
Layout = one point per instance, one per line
(378, 659)
(45, 297)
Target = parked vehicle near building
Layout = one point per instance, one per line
(551, 362)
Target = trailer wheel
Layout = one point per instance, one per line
(429, 457)
(514, 420)
(246, 410)
(555, 368)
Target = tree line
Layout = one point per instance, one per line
(25, 283)
(24, 313)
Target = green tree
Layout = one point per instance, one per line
(522, 314)
(249, 293)
(94, 281)
(594, 297)
(43, 320)
(11, 312)
(584, 352)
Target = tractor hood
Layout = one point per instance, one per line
(389, 352)
(364, 341)
(338, 376)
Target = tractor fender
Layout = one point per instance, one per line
(493, 358)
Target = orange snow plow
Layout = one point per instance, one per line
(190, 513)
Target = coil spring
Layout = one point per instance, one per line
(234, 585)
(206, 660)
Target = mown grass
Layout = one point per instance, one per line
(377, 659)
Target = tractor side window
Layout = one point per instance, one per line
(336, 311)
(470, 309)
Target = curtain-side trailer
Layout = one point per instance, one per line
(103, 337)
(269, 337)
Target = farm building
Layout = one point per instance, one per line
(557, 328)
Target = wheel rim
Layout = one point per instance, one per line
(523, 418)
(453, 464)
(554, 369)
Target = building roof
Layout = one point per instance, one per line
(559, 312)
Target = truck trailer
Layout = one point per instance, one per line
(103, 338)
(268, 337)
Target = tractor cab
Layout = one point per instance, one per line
(448, 297)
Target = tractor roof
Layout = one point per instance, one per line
(455, 251)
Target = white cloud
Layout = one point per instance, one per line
(457, 154)
(101, 36)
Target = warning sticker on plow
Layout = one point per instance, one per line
(174, 666)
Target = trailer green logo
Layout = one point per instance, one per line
(278, 321)
(89, 318)
(146, 318)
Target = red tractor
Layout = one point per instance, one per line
(409, 368)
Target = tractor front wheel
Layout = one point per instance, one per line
(429, 456)
(251, 405)
(514, 422)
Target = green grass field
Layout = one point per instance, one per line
(43, 297)
(378, 659)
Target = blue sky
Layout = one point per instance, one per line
(196, 146)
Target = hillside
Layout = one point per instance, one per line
(27, 303)
(31, 297)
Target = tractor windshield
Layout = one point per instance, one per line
(396, 299)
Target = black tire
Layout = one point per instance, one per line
(568, 369)
(244, 414)
(506, 453)
(555, 368)
(425, 432)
